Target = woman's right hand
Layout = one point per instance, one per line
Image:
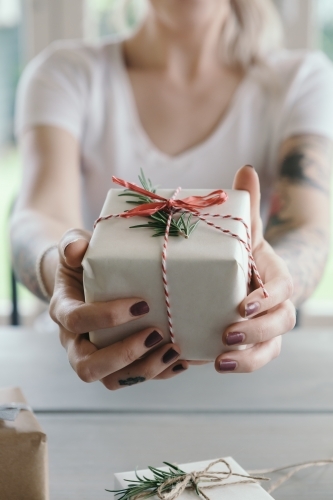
(130, 361)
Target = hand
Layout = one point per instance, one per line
(268, 318)
(133, 360)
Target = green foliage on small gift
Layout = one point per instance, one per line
(146, 488)
(181, 224)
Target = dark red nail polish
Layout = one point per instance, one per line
(234, 338)
(178, 368)
(170, 355)
(139, 309)
(227, 365)
(251, 309)
(153, 339)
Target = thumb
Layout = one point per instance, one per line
(246, 179)
(73, 246)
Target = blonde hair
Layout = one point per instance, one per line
(252, 30)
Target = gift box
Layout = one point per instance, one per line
(23, 450)
(228, 488)
(207, 273)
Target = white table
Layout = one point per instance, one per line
(301, 379)
(280, 415)
(85, 450)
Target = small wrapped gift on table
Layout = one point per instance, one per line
(23, 450)
(210, 480)
(201, 280)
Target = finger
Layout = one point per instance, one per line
(92, 364)
(279, 290)
(144, 369)
(180, 366)
(277, 281)
(276, 322)
(249, 360)
(246, 179)
(80, 317)
(75, 251)
(73, 245)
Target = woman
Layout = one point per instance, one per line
(200, 89)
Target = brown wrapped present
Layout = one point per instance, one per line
(23, 450)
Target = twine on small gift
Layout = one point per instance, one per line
(294, 469)
(190, 205)
(170, 485)
(194, 480)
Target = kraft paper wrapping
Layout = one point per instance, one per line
(236, 492)
(207, 274)
(23, 454)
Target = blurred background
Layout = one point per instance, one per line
(28, 26)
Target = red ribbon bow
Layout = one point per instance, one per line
(192, 203)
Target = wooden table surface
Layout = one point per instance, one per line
(280, 415)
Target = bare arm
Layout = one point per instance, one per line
(48, 203)
(299, 226)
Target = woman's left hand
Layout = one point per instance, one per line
(268, 318)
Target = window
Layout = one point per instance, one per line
(10, 64)
(108, 17)
(10, 69)
(325, 26)
(321, 304)
(309, 24)
(27, 27)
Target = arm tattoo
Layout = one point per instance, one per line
(296, 168)
(305, 164)
(305, 169)
(131, 381)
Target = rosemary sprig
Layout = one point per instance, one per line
(145, 488)
(180, 225)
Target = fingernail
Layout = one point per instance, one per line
(66, 246)
(139, 309)
(251, 309)
(250, 166)
(178, 368)
(234, 338)
(227, 365)
(153, 339)
(170, 355)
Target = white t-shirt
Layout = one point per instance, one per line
(85, 90)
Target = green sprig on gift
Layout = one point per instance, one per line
(181, 225)
(146, 488)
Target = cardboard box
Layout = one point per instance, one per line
(23, 454)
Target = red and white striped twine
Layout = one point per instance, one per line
(164, 269)
(252, 268)
(107, 217)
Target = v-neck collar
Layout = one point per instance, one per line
(148, 145)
